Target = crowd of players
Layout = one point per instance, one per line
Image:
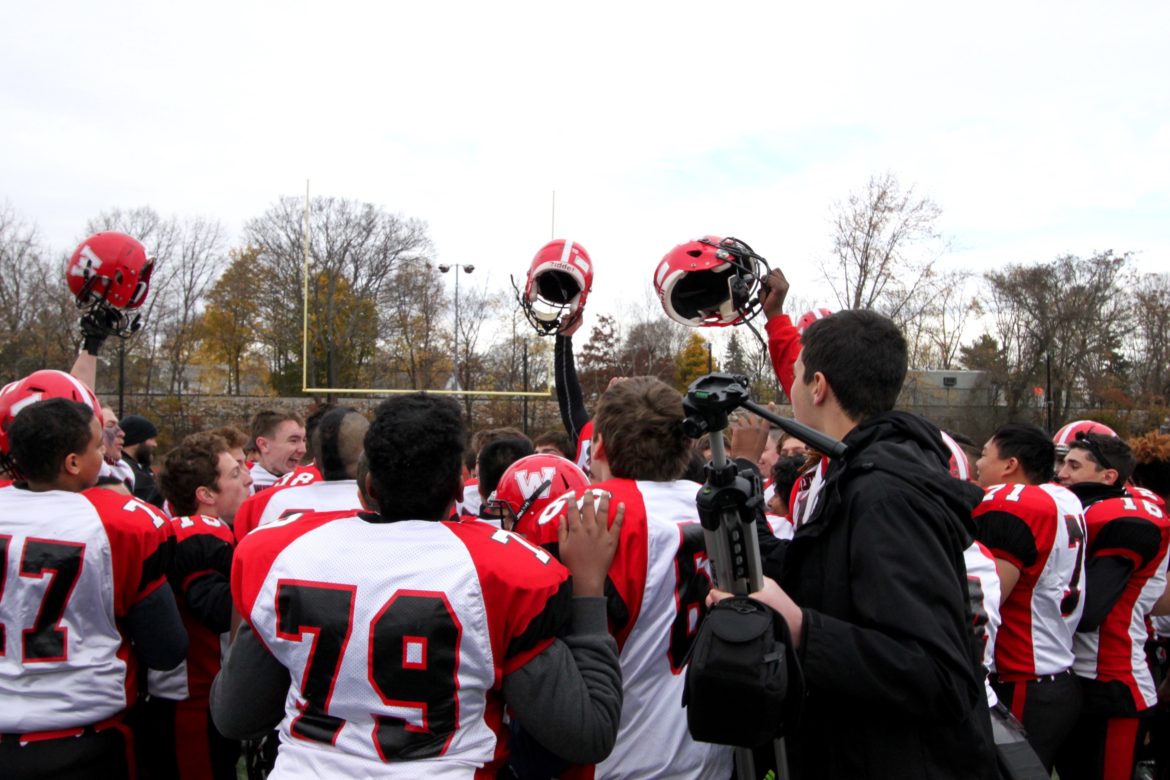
(393, 597)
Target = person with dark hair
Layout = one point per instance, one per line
(137, 451)
(205, 485)
(1036, 532)
(493, 460)
(280, 445)
(405, 635)
(785, 473)
(85, 600)
(1125, 574)
(873, 584)
(554, 443)
(471, 500)
(658, 584)
(336, 451)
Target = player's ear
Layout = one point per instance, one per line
(204, 495)
(72, 464)
(369, 494)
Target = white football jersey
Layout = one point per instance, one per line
(323, 496)
(397, 637)
(73, 565)
(661, 577)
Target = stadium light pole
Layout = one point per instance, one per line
(467, 268)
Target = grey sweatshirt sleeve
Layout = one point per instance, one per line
(569, 698)
(248, 694)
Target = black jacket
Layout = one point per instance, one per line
(894, 685)
(145, 485)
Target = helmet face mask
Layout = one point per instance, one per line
(558, 283)
(533, 482)
(109, 275)
(710, 282)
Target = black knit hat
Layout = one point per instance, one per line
(137, 429)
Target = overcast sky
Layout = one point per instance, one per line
(1040, 128)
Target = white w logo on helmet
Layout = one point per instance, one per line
(531, 481)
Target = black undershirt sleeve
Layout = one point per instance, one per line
(572, 406)
(156, 629)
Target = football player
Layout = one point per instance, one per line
(658, 581)
(84, 597)
(1036, 531)
(203, 484)
(337, 449)
(387, 642)
(1125, 573)
(280, 445)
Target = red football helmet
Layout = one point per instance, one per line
(558, 283)
(110, 267)
(710, 282)
(809, 317)
(1069, 432)
(40, 386)
(531, 484)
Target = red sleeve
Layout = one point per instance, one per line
(138, 546)
(248, 515)
(1018, 525)
(627, 574)
(784, 348)
(526, 592)
(256, 553)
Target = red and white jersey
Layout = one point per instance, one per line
(262, 478)
(661, 577)
(472, 500)
(331, 496)
(585, 447)
(203, 547)
(1039, 529)
(805, 493)
(984, 589)
(301, 475)
(74, 565)
(781, 527)
(120, 471)
(1149, 495)
(1138, 531)
(273, 504)
(397, 637)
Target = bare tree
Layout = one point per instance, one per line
(413, 305)
(885, 245)
(354, 249)
(1149, 345)
(937, 317)
(1071, 311)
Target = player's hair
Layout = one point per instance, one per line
(785, 472)
(558, 439)
(1108, 452)
(44, 434)
(495, 458)
(1031, 446)
(862, 355)
(640, 425)
(234, 437)
(189, 466)
(337, 445)
(1152, 470)
(312, 427)
(265, 423)
(414, 449)
(481, 439)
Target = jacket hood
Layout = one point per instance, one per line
(912, 447)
